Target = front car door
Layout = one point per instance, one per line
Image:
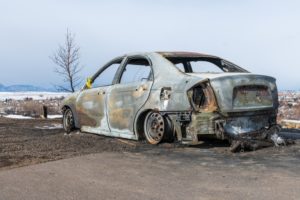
(128, 95)
(91, 103)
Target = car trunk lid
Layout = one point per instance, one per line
(236, 92)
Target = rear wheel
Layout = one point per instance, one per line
(156, 128)
(68, 120)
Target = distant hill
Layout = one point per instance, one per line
(25, 88)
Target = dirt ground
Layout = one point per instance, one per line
(32, 141)
(125, 169)
(27, 142)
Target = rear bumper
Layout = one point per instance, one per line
(237, 126)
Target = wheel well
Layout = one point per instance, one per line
(140, 125)
(64, 108)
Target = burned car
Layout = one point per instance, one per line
(174, 96)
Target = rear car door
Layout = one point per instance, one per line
(91, 103)
(129, 95)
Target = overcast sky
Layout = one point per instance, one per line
(261, 36)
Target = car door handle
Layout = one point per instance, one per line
(101, 92)
(144, 87)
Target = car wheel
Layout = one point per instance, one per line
(154, 127)
(68, 120)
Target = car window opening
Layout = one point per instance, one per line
(106, 77)
(204, 65)
(136, 70)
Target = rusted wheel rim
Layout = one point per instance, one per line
(154, 127)
(68, 120)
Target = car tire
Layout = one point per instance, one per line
(170, 133)
(68, 120)
(157, 128)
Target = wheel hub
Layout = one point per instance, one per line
(155, 127)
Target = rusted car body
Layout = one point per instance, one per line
(176, 102)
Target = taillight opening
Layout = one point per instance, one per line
(202, 98)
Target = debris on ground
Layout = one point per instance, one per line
(267, 138)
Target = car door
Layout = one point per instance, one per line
(129, 94)
(91, 102)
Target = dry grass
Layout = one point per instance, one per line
(31, 107)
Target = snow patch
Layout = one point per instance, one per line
(54, 116)
(17, 117)
(33, 95)
(51, 126)
(27, 117)
(291, 121)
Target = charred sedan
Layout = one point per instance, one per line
(174, 96)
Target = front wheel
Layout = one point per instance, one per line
(68, 120)
(155, 127)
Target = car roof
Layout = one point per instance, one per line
(183, 54)
(174, 54)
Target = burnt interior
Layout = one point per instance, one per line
(199, 98)
(202, 98)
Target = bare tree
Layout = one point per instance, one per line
(67, 60)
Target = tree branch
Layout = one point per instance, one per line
(66, 59)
